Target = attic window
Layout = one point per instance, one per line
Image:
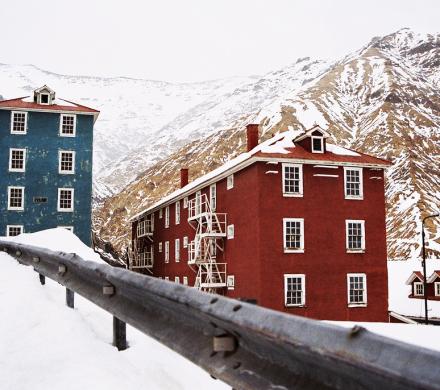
(317, 144)
(44, 98)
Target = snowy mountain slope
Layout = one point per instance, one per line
(382, 99)
(131, 109)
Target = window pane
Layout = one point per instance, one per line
(293, 234)
(294, 291)
(357, 288)
(292, 180)
(354, 233)
(352, 182)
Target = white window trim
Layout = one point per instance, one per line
(160, 213)
(167, 251)
(230, 232)
(213, 196)
(61, 126)
(167, 216)
(230, 282)
(437, 287)
(300, 250)
(361, 184)
(167, 278)
(9, 198)
(177, 250)
(185, 242)
(14, 226)
(177, 279)
(415, 290)
(10, 160)
(230, 182)
(61, 172)
(70, 209)
(70, 228)
(303, 285)
(160, 247)
(301, 181)
(25, 122)
(40, 100)
(362, 222)
(185, 202)
(185, 281)
(351, 304)
(177, 212)
(313, 137)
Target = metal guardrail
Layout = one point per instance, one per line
(246, 346)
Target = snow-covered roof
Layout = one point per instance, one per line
(433, 277)
(415, 275)
(281, 146)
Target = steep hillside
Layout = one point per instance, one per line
(382, 99)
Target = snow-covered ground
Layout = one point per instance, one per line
(45, 345)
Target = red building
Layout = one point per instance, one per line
(432, 286)
(296, 224)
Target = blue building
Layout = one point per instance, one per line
(46, 148)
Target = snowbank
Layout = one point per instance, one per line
(398, 273)
(58, 239)
(45, 345)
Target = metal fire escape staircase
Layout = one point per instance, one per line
(143, 259)
(210, 230)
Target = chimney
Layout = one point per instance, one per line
(252, 136)
(183, 177)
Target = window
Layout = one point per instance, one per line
(213, 196)
(16, 198)
(44, 98)
(167, 278)
(185, 280)
(293, 230)
(177, 279)
(66, 162)
(69, 228)
(18, 122)
(65, 199)
(67, 125)
(177, 250)
(17, 160)
(353, 183)
(418, 289)
(230, 182)
(177, 209)
(230, 232)
(167, 216)
(185, 242)
(357, 289)
(185, 202)
(437, 289)
(230, 282)
(355, 235)
(317, 144)
(13, 230)
(292, 180)
(294, 290)
(167, 251)
(160, 247)
(160, 214)
(198, 202)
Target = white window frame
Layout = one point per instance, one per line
(185, 242)
(321, 138)
(177, 250)
(303, 290)
(61, 125)
(25, 122)
(437, 289)
(9, 198)
(14, 227)
(167, 251)
(230, 182)
(230, 282)
(357, 304)
(213, 196)
(70, 209)
(355, 250)
(11, 150)
(160, 247)
(185, 202)
(160, 213)
(230, 231)
(70, 228)
(415, 289)
(185, 281)
(177, 279)
(64, 172)
(301, 181)
(177, 212)
(361, 184)
(298, 250)
(40, 101)
(167, 278)
(167, 216)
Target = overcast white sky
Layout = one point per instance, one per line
(190, 40)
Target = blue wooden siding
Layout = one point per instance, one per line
(42, 179)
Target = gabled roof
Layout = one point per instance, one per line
(309, 132)
(281, 147)
(61, 105)
(434, 276)
(415, 275)
(44, 88)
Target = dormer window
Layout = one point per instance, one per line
(44, 98)
(317, 144)
(44, 95)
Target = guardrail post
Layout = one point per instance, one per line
(119, 334)
(70, 298)
(42, 279)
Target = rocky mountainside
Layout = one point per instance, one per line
(382, 99)
(133, 112)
